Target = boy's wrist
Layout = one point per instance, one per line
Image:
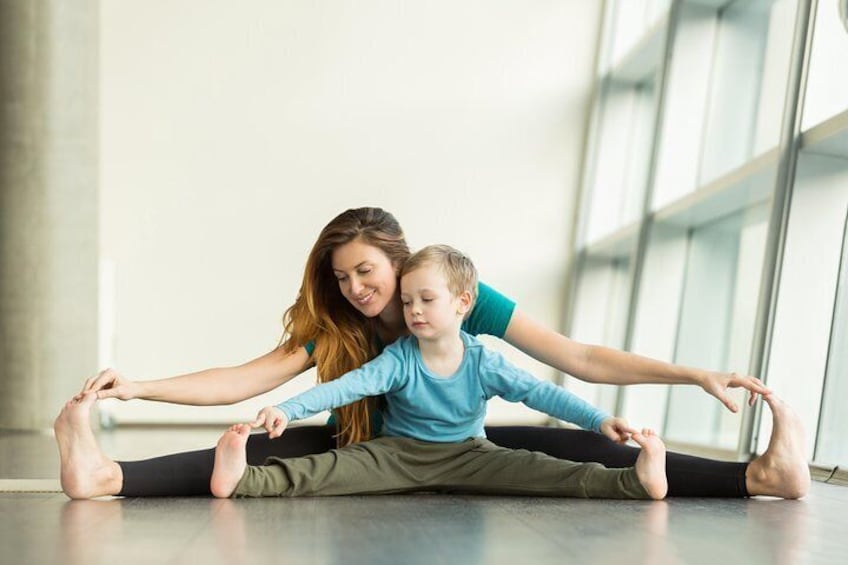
(604, 417)
(281, 408)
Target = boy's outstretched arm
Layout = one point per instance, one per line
(502, 378)
(379, 376)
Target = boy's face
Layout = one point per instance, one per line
(429, 309)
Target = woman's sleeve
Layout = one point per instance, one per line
(491, 313)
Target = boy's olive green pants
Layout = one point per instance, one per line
(393, 465)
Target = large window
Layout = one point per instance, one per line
(808, 317)
(694, 144)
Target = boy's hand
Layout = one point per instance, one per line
(272, 419)
(617, 429)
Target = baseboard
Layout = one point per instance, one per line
(838, 477)
(30, 486)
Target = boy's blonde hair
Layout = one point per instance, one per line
(460, 272)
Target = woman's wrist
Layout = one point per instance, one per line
(697, 377)
(141, 390)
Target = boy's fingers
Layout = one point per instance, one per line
(260, 419)
(271, 425)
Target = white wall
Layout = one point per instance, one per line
(232, 132)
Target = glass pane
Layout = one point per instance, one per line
(832, 447)
(797, 357)
(749, 74)
(725, 95)
(621, 162)
(716, 322)
(600, 314)
(629, 22)
(827, 88)
(655, 325)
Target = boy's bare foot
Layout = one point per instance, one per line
(85, 471)
(650, 465)
(782, 470)
(230, 461)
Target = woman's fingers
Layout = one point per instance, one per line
(728, 402)
(748, 382)
(111, 392)
(719, 384)
(104, 379)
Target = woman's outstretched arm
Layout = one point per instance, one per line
(224, 385)
(598, 364)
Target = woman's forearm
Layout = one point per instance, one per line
(210, 387)
(598, 364)
(593, 363)
(611, 366)
(226, 385)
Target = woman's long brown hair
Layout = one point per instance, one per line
(344, 339)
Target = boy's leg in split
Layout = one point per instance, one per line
(392, 465)
(490, 469)
(370, 467)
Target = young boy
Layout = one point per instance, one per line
(436, 383)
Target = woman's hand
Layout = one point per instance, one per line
(273, 420)
(109, 384)
(716, 383)
(617, 429)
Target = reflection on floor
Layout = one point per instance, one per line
(48, 528)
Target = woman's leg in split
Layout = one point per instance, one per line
(781, 471)
(687, 475)
(188, 473)
(87, 473)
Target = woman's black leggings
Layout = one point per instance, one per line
(188, 474)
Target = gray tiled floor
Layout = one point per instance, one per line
(48, 528)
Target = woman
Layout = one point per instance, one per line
(347, 309)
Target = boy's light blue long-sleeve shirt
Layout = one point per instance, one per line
(425, 406)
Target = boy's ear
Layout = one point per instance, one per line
(465, 302)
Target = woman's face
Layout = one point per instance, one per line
(366, 276)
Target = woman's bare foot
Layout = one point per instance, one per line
(85, 471)
(230, 461)
(782, 470)
(650, 465)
